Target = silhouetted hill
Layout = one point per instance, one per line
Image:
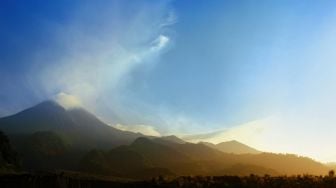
(232, 147)
(194, 159)
(142, 159)
(172, 138)
(158, 154)
(9, 160)
(46, 150)
(285, 163)
(155, 158)
(78, 126)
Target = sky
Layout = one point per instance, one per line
(260, 72)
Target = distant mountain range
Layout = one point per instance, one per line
(155, 157)
(49, 137)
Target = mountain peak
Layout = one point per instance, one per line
(232, 142)
(208, 144)
(141, 141)
(78, 125)
(234, 146)
(173, 138)
(68, 101)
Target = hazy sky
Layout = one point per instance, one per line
(260, 72)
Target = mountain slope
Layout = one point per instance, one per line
(51, 137)
(233, 147)
(143, 158)
(78, 126)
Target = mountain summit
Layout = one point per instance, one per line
(80, 127)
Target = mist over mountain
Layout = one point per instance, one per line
(50, 137)
(170, 93)
(78, 126)
(169, 139)
(47, 136)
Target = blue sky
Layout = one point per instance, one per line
(180, 67)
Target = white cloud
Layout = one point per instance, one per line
(95, 61)
(144, 129)
(252, 133)
(279, 134)
(160, 43)
(68, 101)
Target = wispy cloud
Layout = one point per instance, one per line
(252, 133)
(67, 101)
(143, 129)
(170, 19)
(95, 61)
(160, 43)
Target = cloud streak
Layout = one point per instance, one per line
(143, 129)
(253, 132)
(95, 61)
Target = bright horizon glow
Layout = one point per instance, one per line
(262, 73)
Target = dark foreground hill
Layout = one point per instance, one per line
(66, 180)
(9, 160)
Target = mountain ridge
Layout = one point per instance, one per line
(233, 146)
(50, 137)
(76, 124)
